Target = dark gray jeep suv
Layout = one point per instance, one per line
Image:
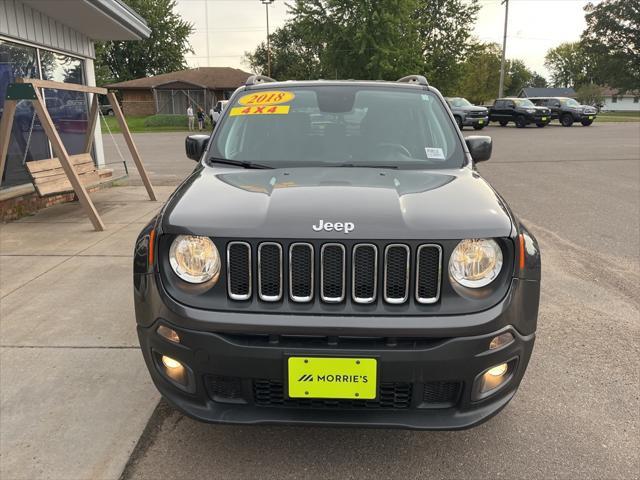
(468, 115)
(335, 258)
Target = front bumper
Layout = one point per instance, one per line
(237, 362)
(475, 121)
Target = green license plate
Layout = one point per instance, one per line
(590, 117)
(480, 122)
(544, 119)
(324, 377)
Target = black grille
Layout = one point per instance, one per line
(365, 270)
(368, 264)
(301, 272)
(333, 272)
(441, 394)
(239, 270)
(428, 273)
(396, 273)
(270, 393)
(270, 271)
(224, 389)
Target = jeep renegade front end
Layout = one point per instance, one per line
(335, 258)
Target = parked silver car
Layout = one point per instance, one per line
(467, 114)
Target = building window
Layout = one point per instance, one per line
(614, 99)
(68, 109)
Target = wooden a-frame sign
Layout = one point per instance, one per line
(27, 89)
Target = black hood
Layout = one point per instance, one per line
(380, 203)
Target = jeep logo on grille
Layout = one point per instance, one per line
(345, 227)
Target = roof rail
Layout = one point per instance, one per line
(256, 79)
(419, 79)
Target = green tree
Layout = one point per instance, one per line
(590, 94)
(612, 39)
(538, 81)
(569, 65)
(481, 74)
(445, 33)
(519, 77)
(162, 52)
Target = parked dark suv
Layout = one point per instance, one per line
(567, 110)
(521, 111)
(335, 258)
(467, 114)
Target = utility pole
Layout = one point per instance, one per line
(266, 5)
(504, 48)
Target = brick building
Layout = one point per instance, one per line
(172, 93)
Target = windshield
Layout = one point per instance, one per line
(523, 102)
(327, 125)
(459, 102)
(570, 102)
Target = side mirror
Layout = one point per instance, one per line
(195, 145)
(479, 147)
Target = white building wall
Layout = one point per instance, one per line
(624, 104)
(24, 23)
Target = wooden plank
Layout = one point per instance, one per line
(6, 123)
(62, 86)
(63, 156)
(62, 184)
(51, 163)
(80, 169)
(91, 125)
(132, 146)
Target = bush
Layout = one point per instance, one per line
(166, 121)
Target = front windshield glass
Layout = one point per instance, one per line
(459, 102)
(329, 125)
(523, 102)
(570, 102)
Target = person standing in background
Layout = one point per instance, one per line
(215, 116)
(200, 119)
(192, 119)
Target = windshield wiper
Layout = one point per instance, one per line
(237, 163)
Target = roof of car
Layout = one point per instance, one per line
(543, 98)
(307, 83)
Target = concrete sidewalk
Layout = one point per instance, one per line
(74, 392)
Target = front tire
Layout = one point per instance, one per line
(503, 123)
(478, 127)
(541, 125)
(566, 120)
(459, 122)
(521, 122)
(586, 123)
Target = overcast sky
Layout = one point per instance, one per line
(225, 29)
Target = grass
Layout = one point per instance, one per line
(618, 117)
(137, 125)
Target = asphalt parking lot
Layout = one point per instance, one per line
(576, 414)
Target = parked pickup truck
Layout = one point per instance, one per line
(567, 110)
(521, 111)
(467, 114)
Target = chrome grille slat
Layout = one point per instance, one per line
(301, 272)
(397, 258)
(332, 272)
(428, 273)
(364, 273)
(270, 271)
(239, 270)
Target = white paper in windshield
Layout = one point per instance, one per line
(435, 153)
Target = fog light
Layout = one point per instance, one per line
(168, 333)
(496, 371)
(501, 340)
(170, 363)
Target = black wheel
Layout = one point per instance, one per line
(503, 123)
(586, 123)
(541, 125)
(521, 122)
(459, 122)
(566, 120)
(478, 127)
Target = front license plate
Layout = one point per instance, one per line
(480, 122)
(590, 117)
(322, 377)
(544, 119)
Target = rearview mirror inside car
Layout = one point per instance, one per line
(480, 147)
(195, 145)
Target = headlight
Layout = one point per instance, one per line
(475, 263)
(194, 259)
